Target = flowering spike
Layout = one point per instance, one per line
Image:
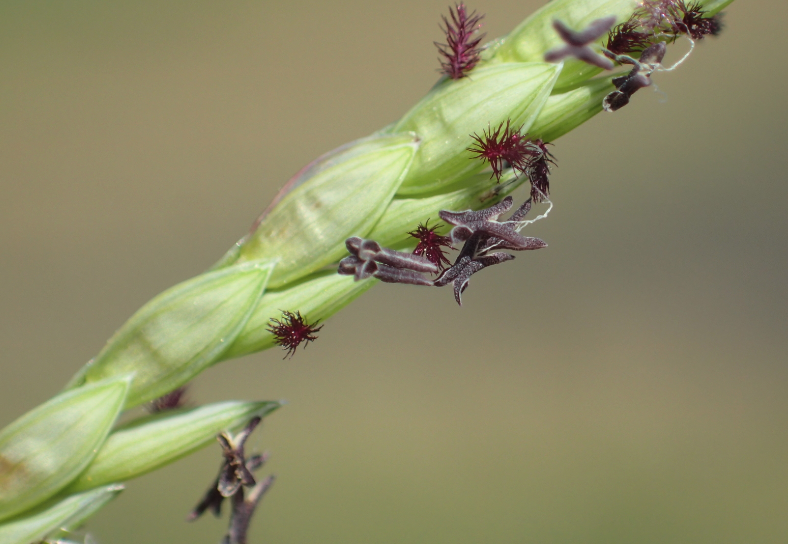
(431, 244)
(461, 50)
(292, 330)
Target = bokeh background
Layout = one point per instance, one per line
(627, 384)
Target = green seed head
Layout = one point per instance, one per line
(379, 188)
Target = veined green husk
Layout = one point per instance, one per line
(343, 193)
(567, 109)
(155, 441)
(69, 512)
(181, 332)
(45, 449)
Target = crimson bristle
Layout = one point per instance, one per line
(461, 52)
(431, 244)
(292, 330)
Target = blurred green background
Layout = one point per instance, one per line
(626, 384)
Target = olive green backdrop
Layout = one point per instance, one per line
(626, 384)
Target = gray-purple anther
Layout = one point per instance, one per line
(578, 43)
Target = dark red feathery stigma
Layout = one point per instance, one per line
(431, 244)
(689, 19)
(489, 148)
(171, 401)
(715, 24)
(502, 147)
(625, 38)
(292, 330)
(505, 147)
(461, 52)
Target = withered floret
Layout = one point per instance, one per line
(479, 231)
